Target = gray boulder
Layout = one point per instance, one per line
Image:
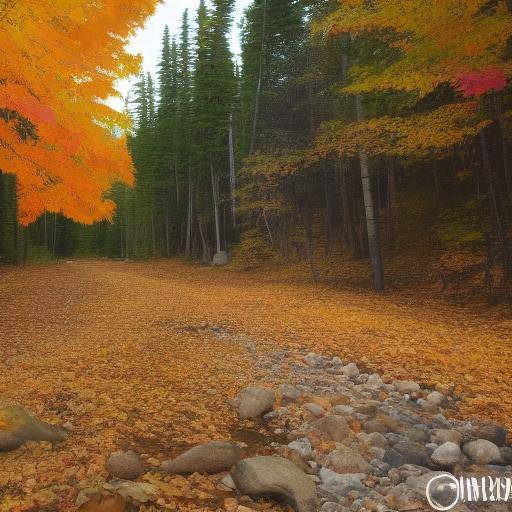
(482, 452)
(406, 453)
(212, 457)
(314, 360)
(289, 392)
(335, 426)
(340, 485)
(301, 446)
(276, 477)
(8, 441)
(490, 432)
(506, 454)
(448, 454)
(220, 259)
(375, 381)
(345, 460)
(406, 386)
(435, 398)
(254, 401)
(351, 370)
(442, 435)
(19, 426)
(125, 465)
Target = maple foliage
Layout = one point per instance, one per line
(59, 64)
(413, 137)
(468, 39)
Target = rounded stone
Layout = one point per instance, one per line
(448, 454)
(482, 452)
(124, 464)
(8, 441)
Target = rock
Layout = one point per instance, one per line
(336, 361)
(227, 481)
(346, 460)
(506, 454)
(8, 441)
(419, 483)
(448, 454)
(276, 476)
(442, 435)
(212, 457)
(482, 451)
(435, 398)
(376, 439)
(142, 492)
(19, 425)
(406, 453)
(375, 426)
(289, 392)
(351, 370)
(314, 409)
(336, 426)
(406, 386)
(431, 447)
(490, 432)
(253, 402)
(376, 452)
(314, 360)
(220, 259)
(343, 410)
(126, 465)
(403, 498)
(301, 446)
(375, 381)
(340, 485)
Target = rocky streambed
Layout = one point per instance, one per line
(340, 440)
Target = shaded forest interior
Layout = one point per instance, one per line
(322, 145)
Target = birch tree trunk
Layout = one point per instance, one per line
(369, 208)
(215, 194)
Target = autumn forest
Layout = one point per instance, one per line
(298, 248)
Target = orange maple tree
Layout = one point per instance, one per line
(58, 65)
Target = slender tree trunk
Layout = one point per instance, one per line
(260, 73)
(391, 204)
(268, 227)
(206, 248)
(167, 234)
(189, 215)
(232, 176)
(371, 221)
(54, 242)
(177, 182)
(45, 230)
(127, 224)
(153, 234)
(215, 194)
(328, 212)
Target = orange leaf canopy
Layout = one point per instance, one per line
(58, 64)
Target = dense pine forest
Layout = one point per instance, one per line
(343, 137)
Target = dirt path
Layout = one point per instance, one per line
(145, 355)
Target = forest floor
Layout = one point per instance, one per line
(146, 355)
